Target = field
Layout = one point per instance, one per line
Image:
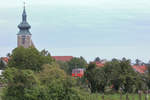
(110, 96)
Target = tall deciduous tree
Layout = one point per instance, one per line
(97, 79)
(29, 58)
(121, 74)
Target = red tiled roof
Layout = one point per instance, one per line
(62, 58)
(5, 59)
(140, 69)
(99, 64)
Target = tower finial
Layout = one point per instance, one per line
(24, 12)
(24, 4)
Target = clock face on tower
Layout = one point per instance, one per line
(23, 39)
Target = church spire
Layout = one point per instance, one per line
(24, 35)
(24, 26)
(24, 15)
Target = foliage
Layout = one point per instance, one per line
(63, 65)
(51, 73)
(97, 59)
(58, 84)
(121, 75)
(76, 63)
(2, 65)
(147, 77)
(96, 78)
(29, 58)
(18, 83)
(51, 83)
(116, 74)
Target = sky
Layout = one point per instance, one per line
(89, 28)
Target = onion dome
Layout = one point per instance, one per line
(24, 26)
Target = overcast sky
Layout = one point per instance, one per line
(89, 28)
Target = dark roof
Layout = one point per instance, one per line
(24, 26)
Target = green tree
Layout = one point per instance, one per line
(128, 76)
(29, 58)
(51, 83)
(2, 65)
(63, 65)
(76, 63)
(138, 62)
(97, 79)
(97, 59)
(58, 85)
(121, 74)
(147, 76)
(113, 71)
(19, 84)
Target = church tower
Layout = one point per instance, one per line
(24, 35)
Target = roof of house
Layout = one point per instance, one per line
(99, 64)
(5, 59)
(141, 69)
(62, 58)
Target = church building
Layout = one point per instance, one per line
(24, 35)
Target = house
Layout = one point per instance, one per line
(62, 58)
(99, 64)
(140, 68)
(5, 60)
(78, 72)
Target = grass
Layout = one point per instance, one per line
(108, 96)
(115, 97)
(1, 93)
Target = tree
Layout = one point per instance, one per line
(29, 58)
(121, 74)
(96, 78)
(63, 65)
(2, 65)
(58, 85)
(97, 59)
(76, 63)
(138, 62)
(113, 71)
(8, 55)
(147, 76)
(116, 73)
(20, 83)
(51, 83)
(128, 76)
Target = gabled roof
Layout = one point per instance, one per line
(62, 58)
(99, 64)
(141, 69)
(5, 59)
